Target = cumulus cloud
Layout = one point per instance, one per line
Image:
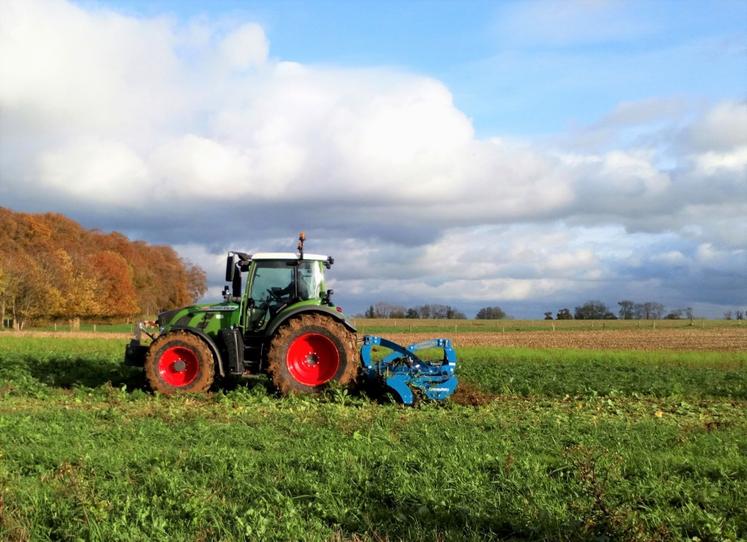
(245, 46)
(192, 133)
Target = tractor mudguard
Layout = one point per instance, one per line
(210, 342)
(328, 311)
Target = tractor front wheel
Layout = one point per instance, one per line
(179, 362)
(311, 351)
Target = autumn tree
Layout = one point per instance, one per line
(196, 281)
(26, 292)
(114, 289)
(3, 289)
(54, 268)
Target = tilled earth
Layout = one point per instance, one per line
(733, 339)
(695, 339)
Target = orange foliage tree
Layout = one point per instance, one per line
(51, 267)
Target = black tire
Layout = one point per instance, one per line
(310, 352)
(179, 362)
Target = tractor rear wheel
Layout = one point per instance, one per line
(311, 351)
(179, 362)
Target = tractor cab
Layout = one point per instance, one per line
(275, 281)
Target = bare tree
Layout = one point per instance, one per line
(649, 310)
(627, 309)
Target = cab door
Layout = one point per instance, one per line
(271, 286)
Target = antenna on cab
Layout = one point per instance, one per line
(301, 239)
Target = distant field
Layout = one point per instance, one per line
(395, 325)
(718, 335)
(539, 444)
(86, 327)
(385, 325)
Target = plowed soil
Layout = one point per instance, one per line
(695, 339)
(732, 339)
(470, 395)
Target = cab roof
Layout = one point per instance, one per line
(287, 256)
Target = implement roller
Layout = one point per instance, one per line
(408, 376)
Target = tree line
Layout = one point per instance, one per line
(53, 268)
(627, 310)
(430, 311)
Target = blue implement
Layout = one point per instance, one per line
(405, 374)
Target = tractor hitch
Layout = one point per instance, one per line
(407, 375)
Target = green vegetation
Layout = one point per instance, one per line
(89, 327)
(556, 373)
(575, 445)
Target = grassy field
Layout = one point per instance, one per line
(539, 444)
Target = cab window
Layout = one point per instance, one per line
(269, 279)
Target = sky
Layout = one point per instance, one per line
(532, 155)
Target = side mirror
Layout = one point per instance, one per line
(230, 267)
(236, 285)
(327, 298)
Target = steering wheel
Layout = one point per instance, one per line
(274, 293)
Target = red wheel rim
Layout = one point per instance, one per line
(178, 366)
(313, 359)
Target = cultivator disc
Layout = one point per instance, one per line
(407, 375)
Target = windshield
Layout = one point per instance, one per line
(310, 278)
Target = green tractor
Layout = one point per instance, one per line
(277, 318)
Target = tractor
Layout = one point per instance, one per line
(278, 318)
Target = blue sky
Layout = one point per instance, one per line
(528, 154)
(527, 68)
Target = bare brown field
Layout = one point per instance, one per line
(683, 339)
(724, 339)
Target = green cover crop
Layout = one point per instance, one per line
(562, 445)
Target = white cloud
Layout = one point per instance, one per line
(562, 23)
(712, 162)
(723, 128)
(244, 47)
(94, 171)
